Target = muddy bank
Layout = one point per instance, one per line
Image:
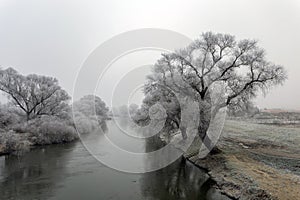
(255, 162)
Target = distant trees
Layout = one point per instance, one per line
(193, 71)
(121, 111)
(35, 95)
(91, 105)
(125, 111)
(132, 109)
(89, 112)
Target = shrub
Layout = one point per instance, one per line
(11, 141)
(8, 141)
(8, 117)
(85, 124)
(89, 113)
(50, 130)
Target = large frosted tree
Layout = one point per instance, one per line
(240, 65)
(35, 95)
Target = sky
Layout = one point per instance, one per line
(54, 37)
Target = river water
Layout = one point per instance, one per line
(68, 171)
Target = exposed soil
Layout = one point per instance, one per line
(256, 161)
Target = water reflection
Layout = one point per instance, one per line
(36, 172)
(177, 181)
(70, 172)
(180, 180)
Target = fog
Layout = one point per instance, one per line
(54, 37)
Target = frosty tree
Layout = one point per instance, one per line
(35, 95)
(214, 58)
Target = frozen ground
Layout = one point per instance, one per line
(257, 161)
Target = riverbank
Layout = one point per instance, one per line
(69, 171)
(20, 143)
(11, 142)
(256, 161)
(22, 136)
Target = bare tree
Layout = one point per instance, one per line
(34, 94)
(214, 58)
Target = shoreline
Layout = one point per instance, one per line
(30, 147)
(229, 188)
(252, 166)
(255, 161)
(214, 181)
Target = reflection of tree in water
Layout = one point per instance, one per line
(36, 172)
(180, 180)
(177, 181)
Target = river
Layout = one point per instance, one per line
(68, 171)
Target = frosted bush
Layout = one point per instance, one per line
(11, 141)
(8, 117)
(89, 113)
(50, 130)
(85, 124)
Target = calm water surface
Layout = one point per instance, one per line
(68, 171)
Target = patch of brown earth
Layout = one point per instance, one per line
(256, 162)
(241, 177)
(279, 153)
(277, 183)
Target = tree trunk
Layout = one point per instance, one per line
(206, 115)
(27, 116)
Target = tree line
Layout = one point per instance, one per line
(190, 74)
(39, 112)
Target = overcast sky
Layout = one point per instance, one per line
(54, 37)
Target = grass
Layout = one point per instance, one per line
(257, 161)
